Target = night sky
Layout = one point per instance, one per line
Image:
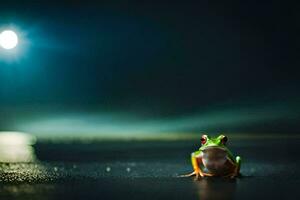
(158, 59)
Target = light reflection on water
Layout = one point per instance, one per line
(216, 188)
(16, 147)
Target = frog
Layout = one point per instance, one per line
(214, 159)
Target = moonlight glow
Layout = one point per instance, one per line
(8, 39)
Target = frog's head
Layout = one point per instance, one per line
(214, 152)
(218, 142)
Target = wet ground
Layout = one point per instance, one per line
(148, 170)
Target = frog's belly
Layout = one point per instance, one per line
(216, 162)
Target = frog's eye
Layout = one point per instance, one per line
(224, 140)
(203, 139)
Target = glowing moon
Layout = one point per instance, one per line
(8, 39)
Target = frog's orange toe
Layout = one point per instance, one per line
(188, 175)
(197, 174)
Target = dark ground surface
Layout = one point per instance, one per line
(148, 170)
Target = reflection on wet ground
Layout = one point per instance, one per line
(16, 147)
(216, 188)
(148, 170)
(18, 158)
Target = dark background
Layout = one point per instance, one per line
(154, 60)
(148, 70)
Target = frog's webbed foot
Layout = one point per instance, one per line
(188, 175)
(197, 174)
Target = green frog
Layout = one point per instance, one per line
(214, 159)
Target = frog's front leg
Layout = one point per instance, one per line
(238, 165)
(196, 159)
(236, 171)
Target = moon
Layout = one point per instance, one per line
(8, 39)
